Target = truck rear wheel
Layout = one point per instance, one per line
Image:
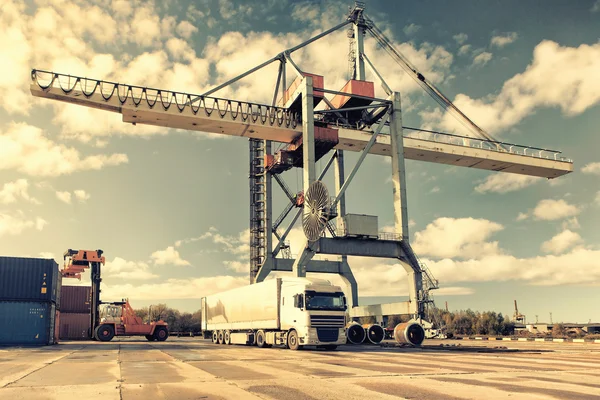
(292, 341)
(227, 337)
(215, 337)
(261, 339)
(161, 333)
(221, 338)
(105, 333)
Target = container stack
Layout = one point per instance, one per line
(75, 313)
(29, 301)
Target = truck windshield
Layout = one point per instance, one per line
(325, 301)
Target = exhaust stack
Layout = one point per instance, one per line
(355, 333)
(374, 333)
(409, 333)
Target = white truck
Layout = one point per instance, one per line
(292, 312)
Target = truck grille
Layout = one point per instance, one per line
(327, 334)
(329, 321)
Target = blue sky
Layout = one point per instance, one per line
(170, 207)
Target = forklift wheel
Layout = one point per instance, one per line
(161, 333)
(105, 333)
(150, 338)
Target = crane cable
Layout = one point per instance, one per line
(433, 91)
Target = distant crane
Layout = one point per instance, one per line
(517, 315)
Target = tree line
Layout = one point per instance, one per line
(463, 322)
(183, 322)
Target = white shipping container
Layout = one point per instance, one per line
(360, 225)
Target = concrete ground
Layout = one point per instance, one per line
(192, 368)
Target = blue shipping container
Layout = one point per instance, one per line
(29, 279)
(27, 323)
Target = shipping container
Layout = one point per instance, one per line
(76, 299)
(27, 323)
(75, 326)
(29, 279)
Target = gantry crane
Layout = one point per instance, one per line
(311, 121)
(120, 318)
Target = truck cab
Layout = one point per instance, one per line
(316, 310)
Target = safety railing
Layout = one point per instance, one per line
(484, 144)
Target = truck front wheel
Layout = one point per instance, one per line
(105, 333)
(161, 333)
(293, 342)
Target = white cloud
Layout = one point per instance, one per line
(65, 197)
(503, 40)
(457, 237)
(591, 168)
(460, 38)
(127, 270)
(169, 256)
(40, 223)
(566, 67)
(596, 7)
(238, 266)
(550, 210)
(13, 191)
(481, 59)
(561, 242)
(193, 288)
(16, 223)
(540, 270)
(504, 183)
(571, 223)
(82, 195)
(411, 29)
(185, 29)
(597, 198)
(454, 291)
(464, 49)
(435, 189)
(522, 216)
(26, 149)
(46, 254)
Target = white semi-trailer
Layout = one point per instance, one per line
(293, 312)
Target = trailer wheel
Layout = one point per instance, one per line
(221, 338)
(261, 339)
(161, 333)
(215, 337)
(150, 338)
(293, 342)
(105, 333)
(227, 337)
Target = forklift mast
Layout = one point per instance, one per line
(76, 262)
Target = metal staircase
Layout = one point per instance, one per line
(257, 207)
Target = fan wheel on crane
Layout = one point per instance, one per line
(316, 210)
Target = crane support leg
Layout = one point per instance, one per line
(412, 266)
(308, 169)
